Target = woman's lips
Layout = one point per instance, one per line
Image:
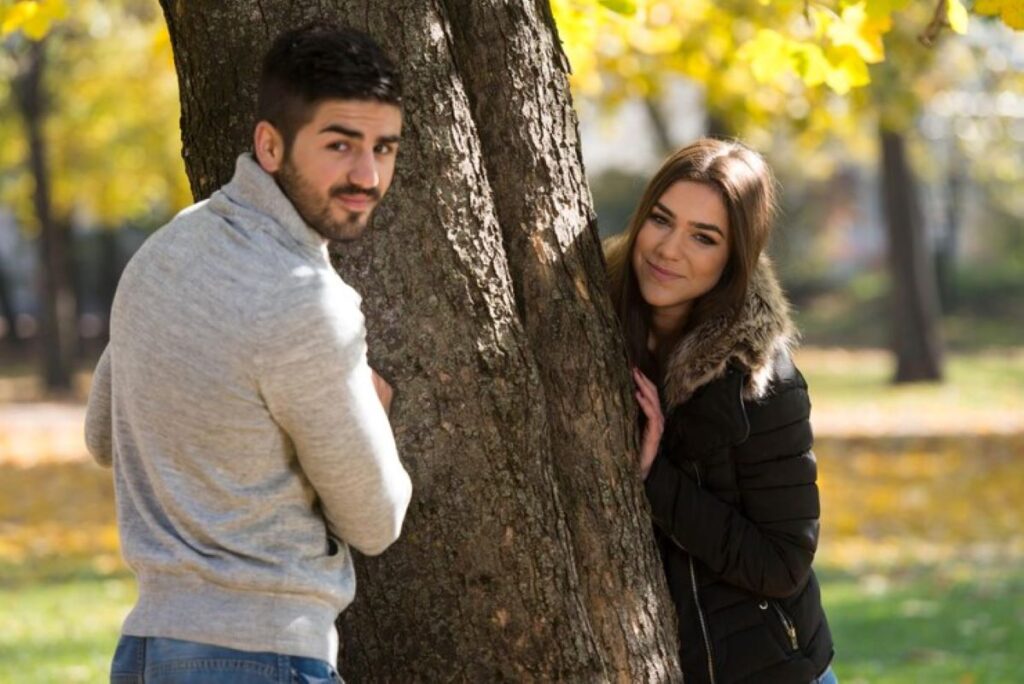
(661, 273)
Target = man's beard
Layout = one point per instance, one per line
(315, 210)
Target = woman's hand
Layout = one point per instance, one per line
(647, 397)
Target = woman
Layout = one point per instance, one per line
(729, 471)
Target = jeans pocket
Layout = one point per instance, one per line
(312, 671)
(129, 661)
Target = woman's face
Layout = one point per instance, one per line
(682, 249)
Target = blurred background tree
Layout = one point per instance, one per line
(89, 113)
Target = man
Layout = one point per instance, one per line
(248, 436)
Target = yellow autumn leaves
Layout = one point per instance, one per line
(33, 17)
(111, 127)
(1010, 11)
(820, 43)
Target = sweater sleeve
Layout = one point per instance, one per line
(317, 385)
(98, 417)
(767, 545)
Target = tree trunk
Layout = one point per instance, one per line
(914, 298)
(948, 247)
(58, 325)
(527, 552)
(659, 125)
(7, 308)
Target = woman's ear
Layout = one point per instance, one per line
(268, 146)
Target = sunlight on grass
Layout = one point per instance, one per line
(852, 394)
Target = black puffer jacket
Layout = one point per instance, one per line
(735, 503)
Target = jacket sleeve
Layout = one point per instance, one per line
(767, 543)
(98, 416)
(317, 385)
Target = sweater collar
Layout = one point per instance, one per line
(255, 189)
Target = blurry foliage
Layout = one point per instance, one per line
(112, 124)
(1010, 11)
(985, 314)
(820, 73)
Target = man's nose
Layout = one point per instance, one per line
(363, 173)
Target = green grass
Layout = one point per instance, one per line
(978, 379)
(62, 631)
(852, 394)
(927, 628)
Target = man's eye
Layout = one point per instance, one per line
(340, 146)
(384, 148)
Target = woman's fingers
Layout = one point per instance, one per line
(645, 384)
(648, 406)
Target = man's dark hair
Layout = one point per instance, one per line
(314, 63)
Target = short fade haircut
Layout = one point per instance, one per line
(314, 63)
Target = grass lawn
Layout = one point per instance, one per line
(928, 626)
(62, 630)
(922, 554)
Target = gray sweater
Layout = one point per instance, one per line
(248, 444)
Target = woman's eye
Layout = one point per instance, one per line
(659, 219)
(704, 239)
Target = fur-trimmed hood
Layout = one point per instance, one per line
(753, 340)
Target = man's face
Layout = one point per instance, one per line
(340, 164)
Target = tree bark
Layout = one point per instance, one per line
(58, 325)
(527, 552)
(914, 296)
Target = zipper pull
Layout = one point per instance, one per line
(791, 631)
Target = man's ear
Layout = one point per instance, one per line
(268, 145)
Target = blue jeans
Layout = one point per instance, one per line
(827, 677)
(153, 660)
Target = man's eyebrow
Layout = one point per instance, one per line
(338, 128)
(358, 135)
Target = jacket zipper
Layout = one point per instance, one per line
(696, 601)
(787, 624)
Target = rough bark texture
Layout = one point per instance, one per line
(527, 552)
(58, 325)
(914, 297)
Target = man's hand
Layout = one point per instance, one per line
(384, 391)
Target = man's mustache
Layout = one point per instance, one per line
(341, 190)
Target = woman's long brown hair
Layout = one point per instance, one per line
(747, 188)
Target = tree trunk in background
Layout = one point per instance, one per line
(7, 307)
(58, 320)
(914, 298)
(659, 126)
(948, 248)
(527, 552)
